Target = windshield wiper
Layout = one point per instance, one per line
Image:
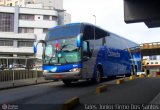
(51, 59)
(64, 47)
(58, 59)
(68, 50)
(64, 59)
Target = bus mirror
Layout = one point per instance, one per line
(43, 42)
(35, 47)
(36, 43)
(79, 40)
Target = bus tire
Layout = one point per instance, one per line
(67, 82)
(98, 76)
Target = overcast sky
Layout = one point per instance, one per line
(110, 16)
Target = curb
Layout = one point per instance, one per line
(69, 104)
(23, 85)
(120, 81)
(141, 76)
(149, 76)
(158, 76)
(132, 77)
(101, 89)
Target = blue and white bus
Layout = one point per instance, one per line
(83, 51)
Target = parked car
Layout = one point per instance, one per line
(3, 66)
(17, 66)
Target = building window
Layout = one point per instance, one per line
(153, 57)
(46, 17)
(25, 30)
(26, 17)
(54, 18)
(25, 43)
(6, 43)
(6, 22)
(45, 30)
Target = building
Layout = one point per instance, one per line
(27, 20)
(64, 18)
(2, 2)
(20, 3)
(12, 44)
(16, 48)
(47, 4)
(51, 4)
(21, 26)
(151, 64)
(22, 22)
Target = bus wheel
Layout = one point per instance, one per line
(67, 82)
(97, 78)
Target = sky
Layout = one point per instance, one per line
(110, 16)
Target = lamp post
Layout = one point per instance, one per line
(94, 30)
(94, 19)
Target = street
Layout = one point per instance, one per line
(53, 95)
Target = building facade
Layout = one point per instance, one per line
(27, 20)
(151, 64)
(64, 18)
(2, 2)
(47, 4)
(22, 22)
(51, 4)
(20, 3)
(16, 45)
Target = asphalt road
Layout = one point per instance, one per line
(138, 92)
(51, 96)
(46, 96)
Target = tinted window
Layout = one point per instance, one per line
(63, 31)
(84, 46)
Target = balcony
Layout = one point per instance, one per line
(17, 50)
(37, 24)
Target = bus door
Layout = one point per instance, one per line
(88, 60)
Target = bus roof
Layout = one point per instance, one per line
(88, 31)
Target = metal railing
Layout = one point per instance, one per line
(18, 74)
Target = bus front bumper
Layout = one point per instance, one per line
(63, 75)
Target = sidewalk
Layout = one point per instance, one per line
(23, 82)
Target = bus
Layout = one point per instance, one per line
(79, 51)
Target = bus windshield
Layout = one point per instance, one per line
(62, 51)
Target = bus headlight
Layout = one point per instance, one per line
(75, 70)
(45, 71)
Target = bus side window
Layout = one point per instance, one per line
(86, 50)
(85, 47)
